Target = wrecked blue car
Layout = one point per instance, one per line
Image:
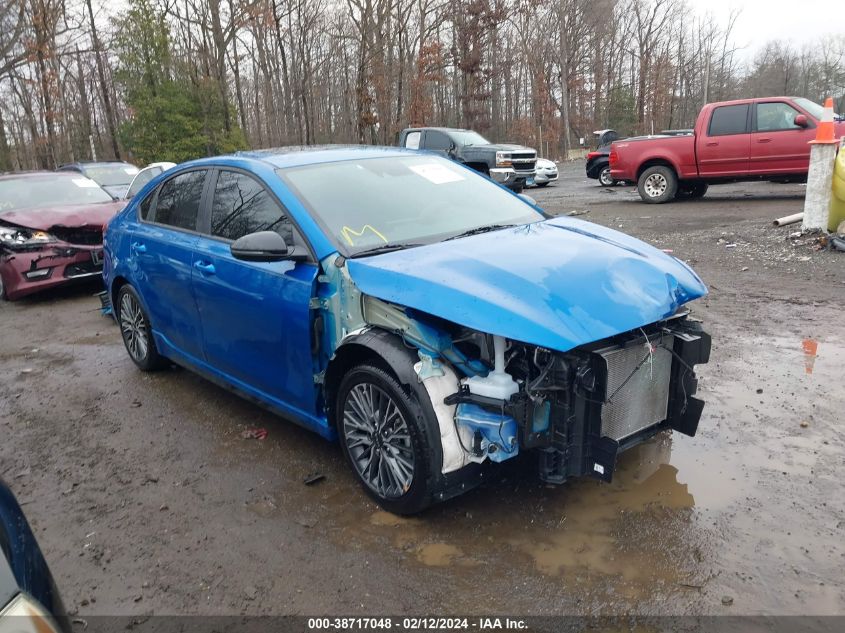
(432, 321)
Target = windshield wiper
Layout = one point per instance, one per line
(384, 248)
(480, 229)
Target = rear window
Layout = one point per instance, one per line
(179, 200)
(729, 120)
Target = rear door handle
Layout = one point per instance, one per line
(712, 143)
(138, 247)
(764, 140)
(204, 267)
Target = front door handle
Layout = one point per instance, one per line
(138, 247)
(764, 140)
(204, 267)
(712, 143)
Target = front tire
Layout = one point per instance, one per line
(136, 331)
(543, 184)
(605, 179)
(382, 429)
(658, 184)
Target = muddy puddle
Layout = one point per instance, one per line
(739, 510)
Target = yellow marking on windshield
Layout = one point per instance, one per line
(346, 232)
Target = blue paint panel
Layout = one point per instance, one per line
(159, 264)
(318, 423)
(558, 284)
(256, 321)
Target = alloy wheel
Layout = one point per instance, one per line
(655, 185)
(604, 177)
(378, 440)
(133, 326)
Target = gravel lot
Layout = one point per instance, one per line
(146, 498)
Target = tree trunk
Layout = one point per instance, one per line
(104, 89)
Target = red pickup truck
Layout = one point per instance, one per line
(747, 139)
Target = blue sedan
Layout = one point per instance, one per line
(432, 321)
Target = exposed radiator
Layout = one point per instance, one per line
(643, 400)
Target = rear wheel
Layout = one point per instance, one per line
(382, 432)
(136, 331)
(657, 184)
(604, 177)
(2, 288)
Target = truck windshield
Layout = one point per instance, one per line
(402, 201)
(814, 109)
(468, 137)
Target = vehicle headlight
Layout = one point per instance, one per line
(19, 237)
(503, 159)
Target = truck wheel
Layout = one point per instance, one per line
(604, 177)
(382, 430)
(691, 190)
(658, 184)
(517, 188)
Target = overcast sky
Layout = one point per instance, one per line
(800, 21)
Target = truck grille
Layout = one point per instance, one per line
(643, 400)
(523, 161)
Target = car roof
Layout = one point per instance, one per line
(296, 156)
(95, 163)
(40, 173)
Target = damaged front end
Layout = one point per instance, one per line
(494, 397)
(33, 259)
(581, 408)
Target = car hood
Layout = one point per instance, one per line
(72, 215)
(500, 147)
(559, 284)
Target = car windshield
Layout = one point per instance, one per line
(813, 108)
(467, 137)
(402, 200)
(143, 177)
(111, 175)
(35, 192)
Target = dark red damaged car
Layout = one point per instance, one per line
(51, 230)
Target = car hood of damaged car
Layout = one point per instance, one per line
(559, 284)
(43, 218)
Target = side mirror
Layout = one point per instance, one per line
(264, 246)
(801, 120)
(528, 199)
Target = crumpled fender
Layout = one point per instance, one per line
(430, 391)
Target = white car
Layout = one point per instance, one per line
(146, 175)
(546, 172)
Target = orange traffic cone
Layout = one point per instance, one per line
(825, 132)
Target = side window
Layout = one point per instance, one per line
(728, 120)
(179, 200)
(242, 206)
(412, 140)
(775, 116)
(437, 141)
(146, 206)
